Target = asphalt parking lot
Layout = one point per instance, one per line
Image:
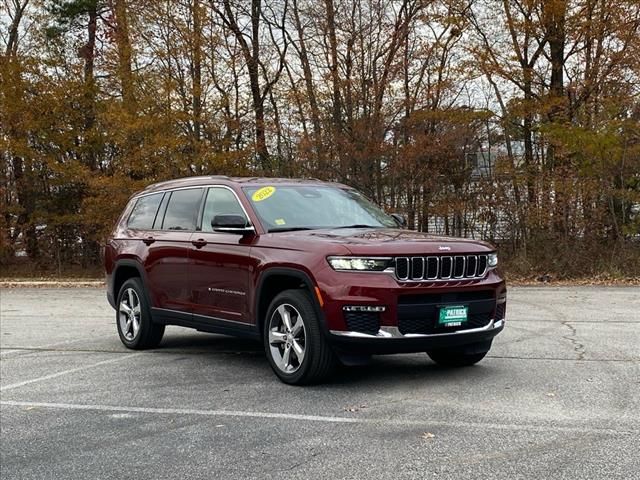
(557, 397)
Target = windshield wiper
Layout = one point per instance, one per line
(294, 229)
(358, 225)
(289, 229)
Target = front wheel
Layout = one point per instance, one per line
(295, 345)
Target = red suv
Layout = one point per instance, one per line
(313, 269)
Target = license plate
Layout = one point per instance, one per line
(453, 316)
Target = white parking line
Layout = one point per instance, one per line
(7, 352)
(632, 430)
(66, 372)
(14, 349)
(183, 411)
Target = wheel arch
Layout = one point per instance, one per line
(275, 280)
(123, 271)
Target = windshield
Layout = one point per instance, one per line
(283, 208)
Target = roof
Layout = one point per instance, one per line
(225, 180)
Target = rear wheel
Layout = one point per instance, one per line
(133, 318)
(294, 342)
(469, 355)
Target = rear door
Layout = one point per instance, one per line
(220, 263)
(167, 262)
(140, 226)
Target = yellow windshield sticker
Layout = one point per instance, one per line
(263, 193)
(280, 221)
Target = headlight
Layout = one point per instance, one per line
(365, 264)
(492, 260)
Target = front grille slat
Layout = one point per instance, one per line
(446, 267)
(417, 268)
(472, 266)
(458, 266)
(402, 268)
(443, 267)
(433, 266)
(482, 265)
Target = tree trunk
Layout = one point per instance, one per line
(555, 11)
(14, 29)
(333, 68)
(196, 74)
(311, 92)
(252, 58)
(123, 44)
(88, 53)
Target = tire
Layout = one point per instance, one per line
(133, 317)
(456, 357)
(310, 359)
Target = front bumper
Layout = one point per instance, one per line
(406, 323)
(390, 340)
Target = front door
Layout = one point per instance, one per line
(220, 263)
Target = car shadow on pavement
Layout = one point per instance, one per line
(197, 342)
(248, 355)
(407, 369)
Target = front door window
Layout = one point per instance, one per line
(220, 201)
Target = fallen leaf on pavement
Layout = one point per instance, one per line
(354, 408)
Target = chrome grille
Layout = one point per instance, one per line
(441, 267)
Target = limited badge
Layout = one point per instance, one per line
(263, 193)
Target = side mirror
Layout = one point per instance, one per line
(401, 219)
(231, 224)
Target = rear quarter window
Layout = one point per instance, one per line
(144, 212)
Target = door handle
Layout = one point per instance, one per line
(199, 243)
(149, 240)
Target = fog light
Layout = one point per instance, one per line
(364, 308)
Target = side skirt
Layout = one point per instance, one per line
(205, 324)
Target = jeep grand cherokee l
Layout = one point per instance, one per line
(312, 269)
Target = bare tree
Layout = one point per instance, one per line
(260, 78)
(15, 10)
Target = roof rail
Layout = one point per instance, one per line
(178, 180)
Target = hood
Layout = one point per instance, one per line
(388, 241)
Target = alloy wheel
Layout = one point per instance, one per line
(287, 338)
(129, 314)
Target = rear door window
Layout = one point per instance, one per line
(182, 210)
(144, 212)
